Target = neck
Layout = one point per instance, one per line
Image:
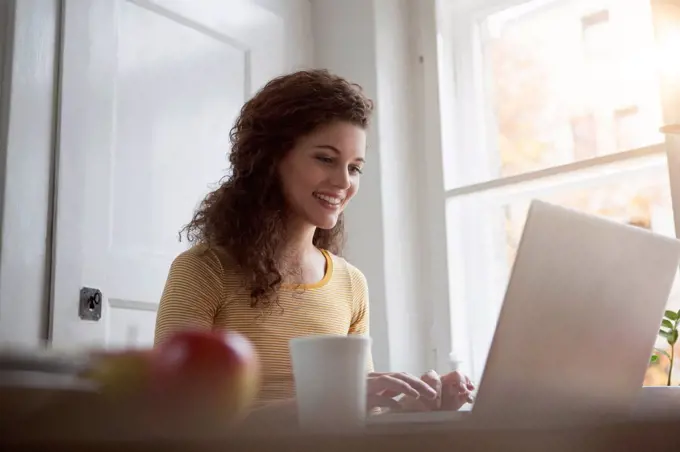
(299, 241)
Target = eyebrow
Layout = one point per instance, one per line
(336, 150)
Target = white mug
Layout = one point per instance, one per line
(330, 381)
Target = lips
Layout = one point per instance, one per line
(329, 201)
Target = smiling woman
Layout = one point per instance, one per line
(267, 242)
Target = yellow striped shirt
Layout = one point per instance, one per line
(205, 290)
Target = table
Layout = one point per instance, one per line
(72, 423)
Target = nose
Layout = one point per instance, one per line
(341, 178)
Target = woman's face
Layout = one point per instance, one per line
(321, 173)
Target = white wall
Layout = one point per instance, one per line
(368, 41)
(26, 136)
(298, 32)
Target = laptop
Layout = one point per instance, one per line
(578, 323)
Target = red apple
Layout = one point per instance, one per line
(206, 372)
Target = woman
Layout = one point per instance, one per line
(267, 242)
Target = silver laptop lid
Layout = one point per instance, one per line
(580, 317)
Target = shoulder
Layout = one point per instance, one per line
(202, 260)
(359, 283)
(358, 287)
(197, 256)
(356, 277)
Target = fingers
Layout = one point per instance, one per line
(430, 392)
(456, 389)
(382, 401)
(458, 379)
(382, 387)
(424, 389)
(453, 378)
(390, 386)
(393, 384)
(411, 404)
(435, 382)
(468, 384)
(454, 397)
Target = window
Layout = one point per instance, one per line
(584, 134)
(556, 100)
(596, 33)
(626, 123)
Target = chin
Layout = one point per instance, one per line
(325, 223)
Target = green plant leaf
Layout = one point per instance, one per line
(654, 359)
(658, 351)
(667, 323)
(664, 334)
(671, 315)
(673, 337)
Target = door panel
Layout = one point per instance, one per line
(149, 92)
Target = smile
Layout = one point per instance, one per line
(329, 201)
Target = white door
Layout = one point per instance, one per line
(149, 92)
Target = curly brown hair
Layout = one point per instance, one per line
(246, 214)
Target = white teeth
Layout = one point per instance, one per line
(329, 199)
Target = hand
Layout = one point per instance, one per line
(383, 387)
(456, 391)
(410, 404)
(453, 389)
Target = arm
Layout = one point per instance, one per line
(383, 386)
(360, 319)
(192, 294)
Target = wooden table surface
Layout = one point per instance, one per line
(645, 437)
(71, 422)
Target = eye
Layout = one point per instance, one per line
(354, 169)
(324, 159)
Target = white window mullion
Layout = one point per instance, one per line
(583, 170)
(435, 263)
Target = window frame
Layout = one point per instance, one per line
(448, 63)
